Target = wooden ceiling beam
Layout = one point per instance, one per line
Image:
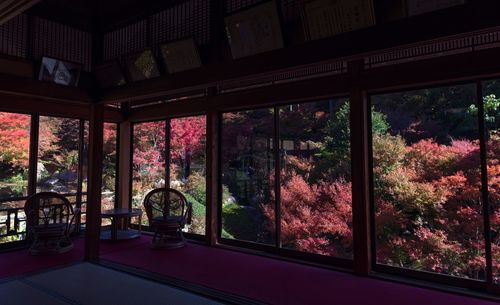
(42, 106)
(28, 87)
(432, 72)
(348, 46)
(12, 8)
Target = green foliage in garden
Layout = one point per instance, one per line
(239, 221)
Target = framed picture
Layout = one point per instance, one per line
(325, 18)
(16, 66)
(109, 74)
(59, 71)
(390, 10)
(417, 7)
(180, 55)
(141, 65)
(254, 30)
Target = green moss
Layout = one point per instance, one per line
(199, 209)
(238, 222)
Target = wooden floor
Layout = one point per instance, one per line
(90, 284)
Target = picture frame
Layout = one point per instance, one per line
(390, 10)
(180, 55)
(17, 66)
(417, 7)
(59, 71)
(110, 74)
(326, 18)
(254, 30)
(141, 65)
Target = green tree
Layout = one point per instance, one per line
(336, 147)
(491, 111)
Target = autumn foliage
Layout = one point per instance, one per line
(186, 143)
(315, 218)
(429, 207)
(14, 138)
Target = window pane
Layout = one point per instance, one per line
(316, 203)
(108, 170)
(85, 169)
(109, 166)
(427, 181)
(491, 98)
(57, 168)
(12, 221)
(14, 154)
(187, 165)
(247, 176)
(148, 160)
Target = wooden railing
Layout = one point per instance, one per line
(12, 224)
(13, 220)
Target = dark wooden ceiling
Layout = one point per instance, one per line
(95, 15)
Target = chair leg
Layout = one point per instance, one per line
(181, 235)
(52, 245)
(168, 239)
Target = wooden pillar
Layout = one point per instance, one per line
(360, 172)
(124, 186)
(93, 227)
(212, 206)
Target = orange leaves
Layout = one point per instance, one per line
(14, 138)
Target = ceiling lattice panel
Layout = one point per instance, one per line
(56, 40)
(13, 36)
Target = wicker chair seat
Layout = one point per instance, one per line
(50, 219)
(168, 212)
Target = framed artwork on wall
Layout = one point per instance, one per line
(16, 66)
(59, 71)
(110, 74)
(254, 30)
(417, 7)
(325, 18)
(141, 65)
(390, 10)
(180, 55)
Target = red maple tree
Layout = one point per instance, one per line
(14, 138)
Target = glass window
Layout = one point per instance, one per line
(427, 181)
(14, 170)
(248, 176)
(188, 164)
(108, 171)
(85, 169)
(148, 170)
(14, 154)
(491, 99)
(12, 221)
(315, 193)
(57, 168)
(109, 166)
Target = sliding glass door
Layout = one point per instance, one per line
(286, 179)
(171, 153)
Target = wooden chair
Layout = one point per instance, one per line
(168, 212)
(49, 219)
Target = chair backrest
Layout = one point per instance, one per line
(48, 208)
(162, 203)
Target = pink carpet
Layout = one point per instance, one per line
(263, 279)
(273, 281)
(21, 262)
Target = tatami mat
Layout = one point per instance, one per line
(89, 284)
